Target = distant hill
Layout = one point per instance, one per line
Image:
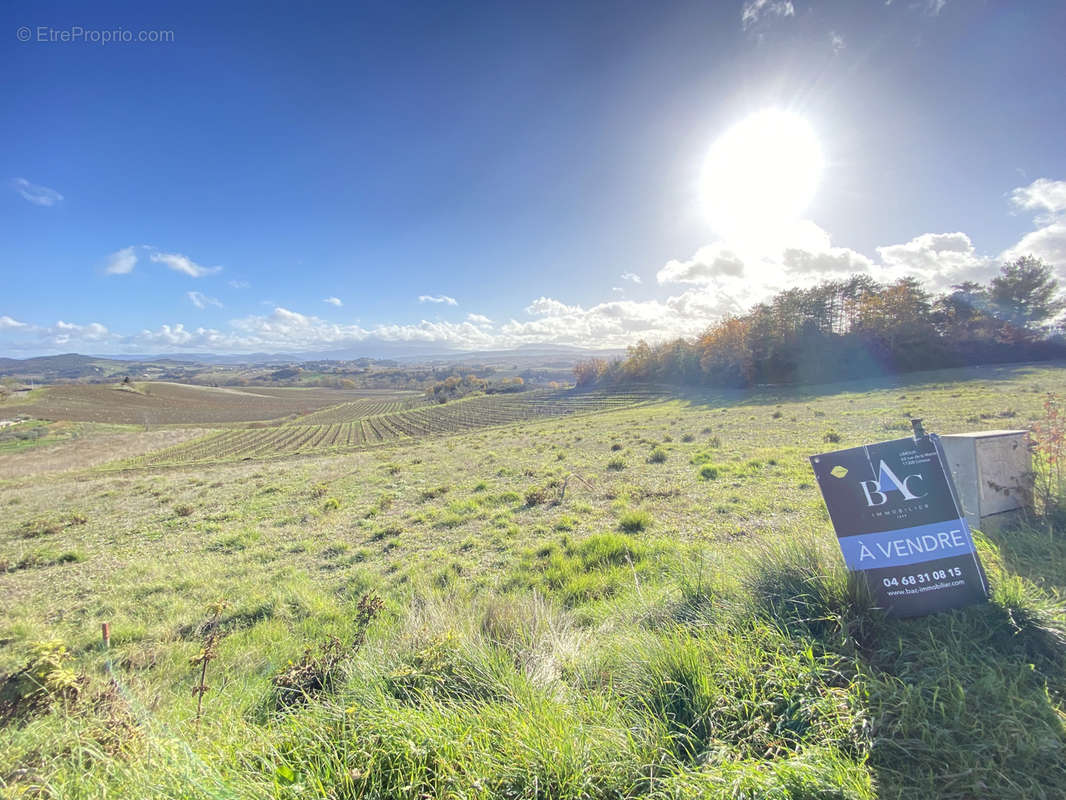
(74, 366)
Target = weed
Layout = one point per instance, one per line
(316, 669)
(536, 495)
(635, 521)
(658, 456)
(45, 679)
(708, 472)
(208, 653)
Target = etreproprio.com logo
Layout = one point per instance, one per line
(76, 34)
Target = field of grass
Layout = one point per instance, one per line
(365, 423)
(638, 601)
(161, 403)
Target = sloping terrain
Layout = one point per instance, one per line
(161, 403)
(645, 601)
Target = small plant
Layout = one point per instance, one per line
(616, 447)
(1048, 444)
(183, 510)
(78, 519)
(616, 465)
(315, 670)
(319, 490)
(208, 652)
(536, 495)
(708, 472)
(831, 437)
(635, 521)
(714, 442)
(776, 415)
(331, 504)
(658, 456)
(46, 678)
(688, 437)
(433, 494)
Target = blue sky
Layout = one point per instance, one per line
(272, 178)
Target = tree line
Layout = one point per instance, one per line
(855, 328)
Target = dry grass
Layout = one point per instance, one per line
(174, 403)
(89, 451)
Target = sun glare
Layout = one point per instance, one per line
(760, 176)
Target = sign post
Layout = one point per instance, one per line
(898, 521)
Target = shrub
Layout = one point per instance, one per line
(616, 447)
(332, 504)
(635, 521)
(318, 490)
(47, 677)
(616, 465)
(831, 437)
(536, 495)
(708, 472)
(316, 670)
(688, 437)
(658, 456)
(183, 510)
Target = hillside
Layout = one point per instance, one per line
(639, 599)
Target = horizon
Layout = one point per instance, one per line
(477, 178)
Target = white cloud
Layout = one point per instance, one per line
(939, 260)
(631, 276)
(239, 284)
(478, 319)
(836, 41)
(1041, 195)
(1048, 242)
(180, 263)
(7, 322)
(122, 262)
(831, 260)
(333, 301)
(36, 194)
(202, 301)
(709, 262)
(755, 10)
(429, 298)
(611, 324)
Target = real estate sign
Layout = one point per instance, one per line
(898, 521)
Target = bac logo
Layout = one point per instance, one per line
(877, 491)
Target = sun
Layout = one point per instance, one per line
(760, 176)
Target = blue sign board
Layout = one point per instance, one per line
(898, 522)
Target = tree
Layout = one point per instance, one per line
(1024, 295)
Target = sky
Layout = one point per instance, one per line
(237, 178)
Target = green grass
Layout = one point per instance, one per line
(657, 633)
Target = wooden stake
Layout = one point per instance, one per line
(105, 632)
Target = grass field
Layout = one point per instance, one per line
(643, 600)
(161, 403)
(366, 423)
